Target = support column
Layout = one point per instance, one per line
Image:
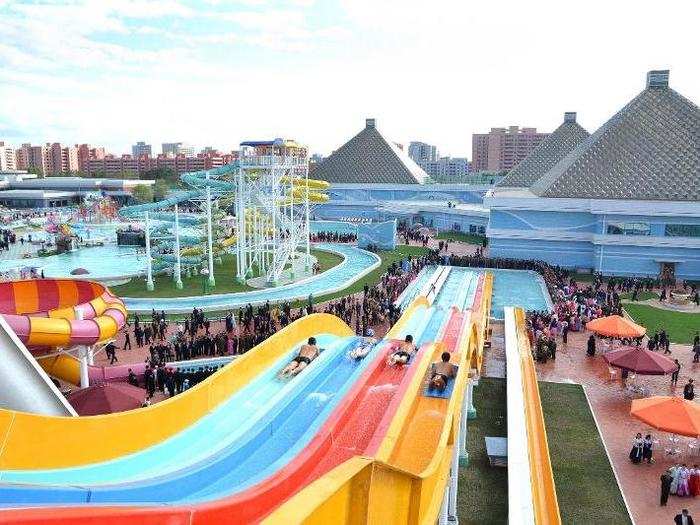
(212, 282)
(452, 517)
(149, 263)
(176, 273)
(442, 517)
(84, 374)
(471, 410)
(240, 241)
(91, 355)
(463, 428)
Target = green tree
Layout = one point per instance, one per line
(159, 173)
(143, 193)
(131, 175)
(160, 189)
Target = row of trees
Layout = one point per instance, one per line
(145, 193)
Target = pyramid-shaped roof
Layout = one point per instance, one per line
(649, 150)
(551, 150)
(369, 157)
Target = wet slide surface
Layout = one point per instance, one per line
(214, 432)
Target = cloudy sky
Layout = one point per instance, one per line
(216, 72)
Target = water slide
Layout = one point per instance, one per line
(405, 480)
(25, 385)
(532, 496)
(50, 313)
(375, 385)
(81, 441)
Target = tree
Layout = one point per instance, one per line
(128, 174)
(159, 173)
(160, 189)
(143, 193)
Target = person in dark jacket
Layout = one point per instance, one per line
(591, 346)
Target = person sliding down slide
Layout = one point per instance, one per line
(364, 348)
(307, 353)
(442, 372)
(405, 352)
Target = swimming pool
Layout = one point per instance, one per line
(355, 265)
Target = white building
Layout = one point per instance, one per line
(421, 152)
(447, 169)
(141, 149)
(178, 148)
(7, 157)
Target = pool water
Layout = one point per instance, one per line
(518, 288)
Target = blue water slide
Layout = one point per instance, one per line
(210, 435)
(277, 438)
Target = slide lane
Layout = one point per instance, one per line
(281, 433)
(369, 489)
(84, 440)
(208, 436)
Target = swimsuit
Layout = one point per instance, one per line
(302, 359)
(403, 353)
(443, 376)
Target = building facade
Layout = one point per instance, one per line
(421, 152)
(7, 157)
(111, 165)
(447, 169)
(622, 201)
(503, 148)
(141, 149)
(177, 148)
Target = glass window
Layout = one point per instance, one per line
(628, 228)
(683, 230)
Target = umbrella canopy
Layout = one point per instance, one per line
(615, 326)
(641, 361)
(79, 271)
(106, 398)
(670, 414)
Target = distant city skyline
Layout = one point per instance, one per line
(218, 73)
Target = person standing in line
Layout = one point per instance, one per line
(666, 480)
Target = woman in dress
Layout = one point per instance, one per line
(683, 478)
(636, 453)
(694, 483)
(647, 449)
(675, 472)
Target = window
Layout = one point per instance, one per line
(628, 228)
(683, 230)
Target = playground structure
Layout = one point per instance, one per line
(270, 195)
(243, 447)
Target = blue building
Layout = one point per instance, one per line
(372, 178)
(622, 201)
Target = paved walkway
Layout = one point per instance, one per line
(611, 406)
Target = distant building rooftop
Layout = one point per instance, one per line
(369, 157)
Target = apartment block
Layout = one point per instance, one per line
(503, 148)
(7, 157)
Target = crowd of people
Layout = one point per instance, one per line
(333, 236)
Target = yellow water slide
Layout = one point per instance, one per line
(406, 480)
(78, 441)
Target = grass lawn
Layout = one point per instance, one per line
(468, 238)
(680, 326)
(586, 486)
(483, 490)
(641, 296)
(225, 280)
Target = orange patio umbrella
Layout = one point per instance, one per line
(615, 326)
(670, 414)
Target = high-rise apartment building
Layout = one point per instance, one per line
(503, 148)
(141, 149)
(62, 159)
(85, 153)
(112, 165)
(447, 169)
(177, 148)
(422, 152)
(7, 157)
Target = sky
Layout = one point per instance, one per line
(217, 72)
